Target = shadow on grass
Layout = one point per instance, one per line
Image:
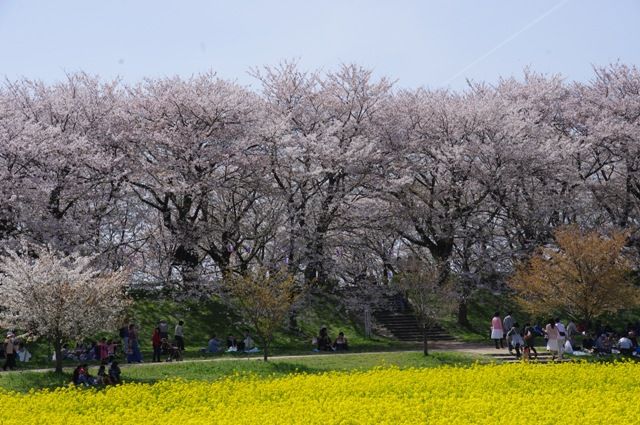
(23, 382)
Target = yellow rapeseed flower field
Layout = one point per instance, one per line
(568, 393)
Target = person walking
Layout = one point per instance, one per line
(156, 343)
(497, 331)
(179, 335)
(552, 338)
(507, 324)
(562, 337)
(529, 336)
(515, 339)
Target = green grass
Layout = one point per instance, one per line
(205, 318)
(481, 308)
(216, 369)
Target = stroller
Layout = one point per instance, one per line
(172, 351)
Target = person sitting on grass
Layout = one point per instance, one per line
(213, 346)
(232, 344)
(81, 376)
(23, 355)
(625, 345)
(588, 343)
(324, 342)
(102, 378)
(114, 373)
(249, 344)
(75, 376)
(603, 344)
(340, 344)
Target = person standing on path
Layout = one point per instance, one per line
(9, 352)
(572, 331)
(552, 338)
(156, 343)
(497, 331)
(179, 335)
(163, 326)
(124, 336)
(133, 353)
(507, 324)
(562, 337)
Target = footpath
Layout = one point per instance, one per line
(482, 351)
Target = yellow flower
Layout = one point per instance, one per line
(492, 394)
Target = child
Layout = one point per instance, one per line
(172, 351)
(114, 373)
(103, 377)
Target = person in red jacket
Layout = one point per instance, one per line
(156, 341)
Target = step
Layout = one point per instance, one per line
(405, 327)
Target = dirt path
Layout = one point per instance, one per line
(440, 347)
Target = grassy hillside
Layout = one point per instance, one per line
(206, 318)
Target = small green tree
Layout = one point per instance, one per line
(264, 298)
(429, 296)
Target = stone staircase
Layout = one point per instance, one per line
(503, 356)
(404, 327)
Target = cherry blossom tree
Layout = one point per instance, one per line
(336, 175)
(322, 144)
(59, 297)
(187, 144)
(62, 170)
(606, 124)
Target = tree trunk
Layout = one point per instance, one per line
(293, 321)
(266, 351)
(57, 347)
(463, 318)
(425, 347)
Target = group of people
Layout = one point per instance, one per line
(163, 346)
(323, 342)
(233, 345)
(160, 342)
(625, 343)
(102, 349)
(560, 339)
(110, 376)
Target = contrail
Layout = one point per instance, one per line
(505, 41)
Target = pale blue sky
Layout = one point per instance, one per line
(420, 43)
